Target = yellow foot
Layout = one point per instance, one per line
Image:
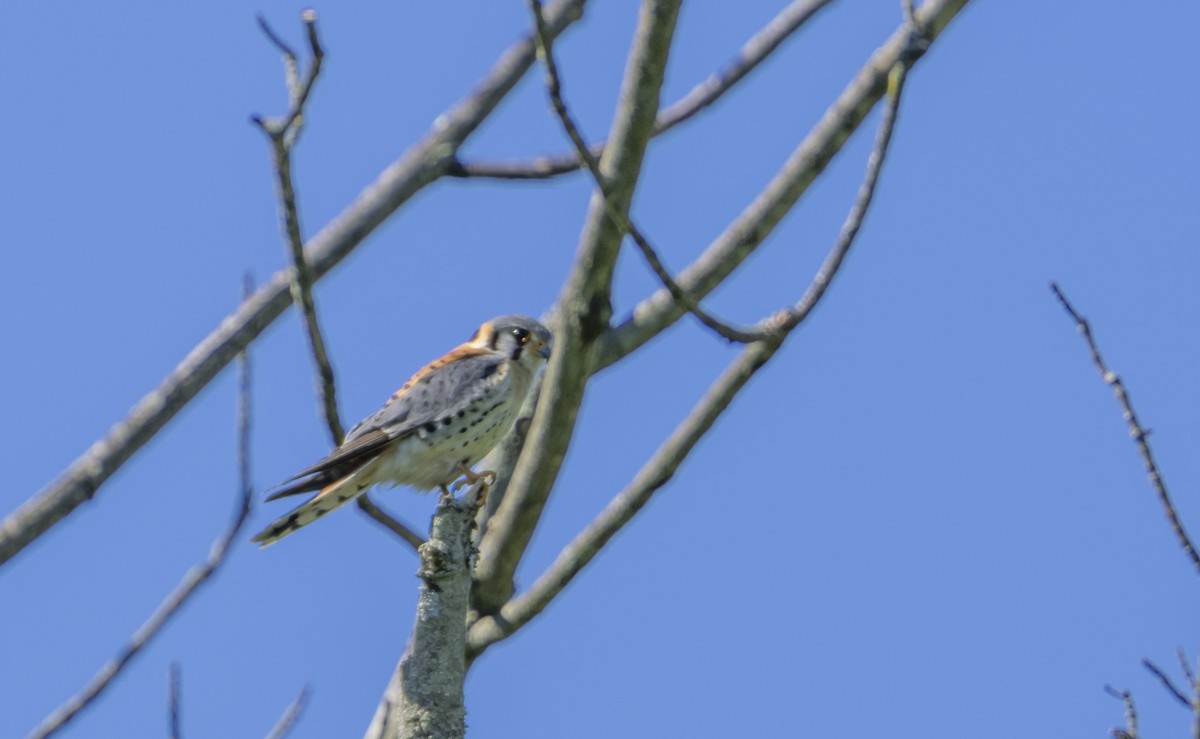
(470, 478)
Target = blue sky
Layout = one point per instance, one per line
(925, 516)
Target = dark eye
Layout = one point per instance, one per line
(521, 335)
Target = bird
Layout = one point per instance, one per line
(432, 430)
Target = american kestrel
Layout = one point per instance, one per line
(433, 429)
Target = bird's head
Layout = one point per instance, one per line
(520, 338)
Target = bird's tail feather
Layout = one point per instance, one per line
(316, 482)
(331, 497)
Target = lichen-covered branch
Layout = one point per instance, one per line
(521, 609)
(424, 699)
(582, 311)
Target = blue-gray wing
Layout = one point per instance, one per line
(440, 391)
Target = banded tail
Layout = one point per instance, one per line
(331, 497)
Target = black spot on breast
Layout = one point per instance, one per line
(447, 421)
(429, 427)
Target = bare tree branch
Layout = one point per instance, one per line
(283, 133)
(187, 587)
(1167, 683)
(1185, 667)
(653, 475)
(397, 527)
(425, 695)
(173, 701)
(291, 715)
(752, 53)
(582, 312)
(1195, 685)
(1131, 729)
(421, 165)
(1140, 435)
(298, 89)
(789, 318)
(759, 219)
(662, 466)
(619, 218)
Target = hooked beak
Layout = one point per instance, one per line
(544, 350)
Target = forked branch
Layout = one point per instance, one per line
(619, 217)
(283, 133)
(712, 88)
(521, 609)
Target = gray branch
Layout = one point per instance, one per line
(662, 466)
(424, 699)
(1137, 432)
(284, 132)
(618, 217)
(752, 53)
(423, 164)
(186, 588)
(1131, 718)
(582, 312)
(653, 475)
(291, 715)
(392, 524)
(759, 219)
(173, 700)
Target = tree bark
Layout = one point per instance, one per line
(424, 699)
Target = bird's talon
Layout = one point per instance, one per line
(470, 477)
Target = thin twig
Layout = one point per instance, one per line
(583, 310)
(621, 509)
(299, 89)
(789, 318)
(422, 164)
(760, 217)
(187, 587)
(1167, 683)
(283, 133)
(659, 469)
(620, 218)
(1141, 436)
(397, 527)
(753, 52)
(1185, 666)
(291, 715)
(1131, 728)
(173, 688)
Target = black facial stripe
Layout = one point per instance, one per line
(494, 340)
